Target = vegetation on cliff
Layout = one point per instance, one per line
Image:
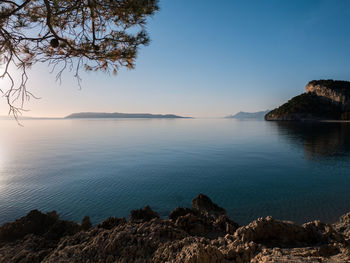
(330, 83)
(306, 106)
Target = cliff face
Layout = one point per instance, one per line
(323, 100)
(200, 234)
(337, 91)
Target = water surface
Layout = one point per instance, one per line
(106, 167)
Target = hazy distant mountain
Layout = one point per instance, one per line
(249, 115)
(89, 115)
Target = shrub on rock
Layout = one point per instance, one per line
(203, 205)
(112, 222)
(86, 223)
(37, 223)
(145, 214)
(180, 211)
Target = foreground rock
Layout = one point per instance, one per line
(323, 100)
(33, 237)
(199, 234)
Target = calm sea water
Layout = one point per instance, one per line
(107, 167)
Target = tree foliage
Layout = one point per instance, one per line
(92, 35)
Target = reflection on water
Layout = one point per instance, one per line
(318, 139)
(103, 168)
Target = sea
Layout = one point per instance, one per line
(108, 167)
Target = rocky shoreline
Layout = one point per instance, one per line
(200, 234)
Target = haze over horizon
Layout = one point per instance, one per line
(209, 60)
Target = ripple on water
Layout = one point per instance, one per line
(106, 168)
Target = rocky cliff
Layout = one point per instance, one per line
(200, 234)
(323, 100)
(335, 90)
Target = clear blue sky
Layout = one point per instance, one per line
(214, 58)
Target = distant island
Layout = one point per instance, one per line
(259, 115)
(323, 100)
(92, 115)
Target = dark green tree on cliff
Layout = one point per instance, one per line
(92, 35)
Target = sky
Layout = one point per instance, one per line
(211, 59)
